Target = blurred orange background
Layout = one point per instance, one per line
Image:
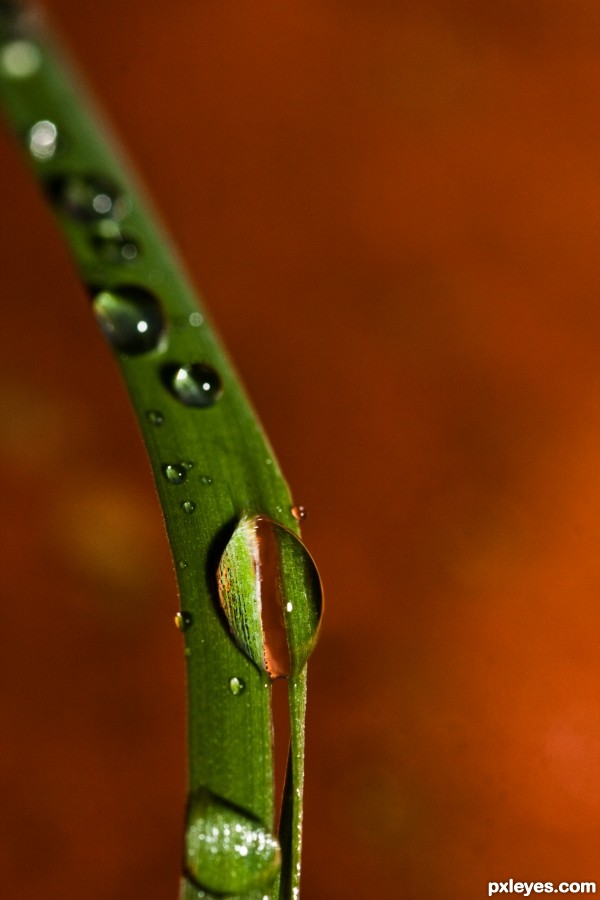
(393, 211)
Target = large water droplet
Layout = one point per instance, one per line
(183, 620)
(20, 59)
(194, 385)
(43, 140)
(226, 850)
(88, 198)
(130, 317)
(175, 473)
(271, 594)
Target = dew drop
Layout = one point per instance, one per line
(155, 417)
(206, 479)
(227, 851)
(88, 198)
(20, 59)
(196, 319)
(175, 473)
(43, 139)
(130, 318)
(187, 465)
(182, 564)
(299, 513)
(183, 620)
(271, 594)
(194, 385)
(111, 246)
(188, 506)
(236, 686)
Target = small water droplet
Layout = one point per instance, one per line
(194, 385)
(206, 479)
(236, 686)
(268, 461)
(188, 506)
(196, 319)
(88, 198)
(182, 564)
(299, 513)
(155, 417)
(175, 473)
(111, 246)
(271, 594)
(20, 59)
(43, 139)
(183, 620)
(187, 465)
(130, 317)
(227, 851)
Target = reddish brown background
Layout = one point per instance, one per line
(393, 210)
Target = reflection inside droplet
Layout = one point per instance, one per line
(271, 594)
(130, 317)
(196, 385)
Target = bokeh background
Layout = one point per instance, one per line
(393, 211)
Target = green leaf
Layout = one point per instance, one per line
(213, 469)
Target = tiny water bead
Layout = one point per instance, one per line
(43, 139)
(20, 59)
(175, 473)
(130, 317)
(206, 479)
(182, 564)
(271, 594)
(188, 506)
(227, 851)
(155, 417)
(196, 385)
(183, 620)
(236, 686)
(299, 513)
(88, 198)
(111, 246)
(196, 319)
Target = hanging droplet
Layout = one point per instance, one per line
(194, 385)
(271, 594)
(299, 513)
(88, 198)
(130, 317)
(227, 851)
(20, 59)
(155, 417)
(188, 506)
(236, 686)
(175, 473)
(183, 620)
(43, 140)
